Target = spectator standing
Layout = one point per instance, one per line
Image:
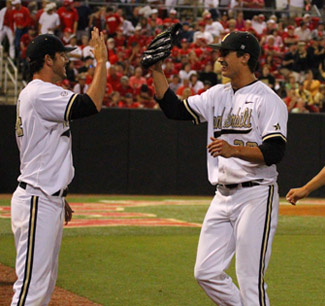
(113, 21)
(49, 21)
(97, 19)
(84, 11)
(21, 20)
(7, 27)
(41, 10)
(68, 16)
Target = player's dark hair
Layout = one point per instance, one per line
(36, 65)
(252, 62)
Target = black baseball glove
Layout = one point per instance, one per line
(161, 45)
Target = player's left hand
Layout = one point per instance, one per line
(97, 42)
(67, 212)
(220, 147)
(296, 194)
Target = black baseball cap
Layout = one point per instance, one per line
(240, 41)
(45, 44)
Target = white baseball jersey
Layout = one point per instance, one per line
(245, 117)
(43, 110)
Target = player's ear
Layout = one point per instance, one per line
(245, 58)
(48, 60)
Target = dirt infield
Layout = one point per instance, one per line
(60, 296)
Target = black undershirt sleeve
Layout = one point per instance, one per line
(273, 150)
(173, 107)
(80, 106)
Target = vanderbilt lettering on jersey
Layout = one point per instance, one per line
(241, 119)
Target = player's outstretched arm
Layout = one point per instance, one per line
(316, 182)
(97, 88)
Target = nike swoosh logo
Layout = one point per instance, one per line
(247, 102)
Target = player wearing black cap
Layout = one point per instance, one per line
(246, 127)
(38, 206)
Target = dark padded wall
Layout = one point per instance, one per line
(122, 151)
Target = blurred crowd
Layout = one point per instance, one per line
(292, 62)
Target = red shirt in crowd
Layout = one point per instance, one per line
(68, 16)
(21, 17)
(113, 21)
(8, 19)
(114, 80)
(25, 40)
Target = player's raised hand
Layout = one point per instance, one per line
(296, 194)
(220, 147)
(97, 42)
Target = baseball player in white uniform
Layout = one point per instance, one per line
(246, 137)
(38, 206)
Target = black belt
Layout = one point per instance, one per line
(244, 184)
(64, 193)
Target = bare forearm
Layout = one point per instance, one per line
(97, 88)
(316, 182)
(251, 154)
(160, 82)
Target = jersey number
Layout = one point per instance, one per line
(251, 144)
(19, 129)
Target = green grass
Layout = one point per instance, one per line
(154, 266)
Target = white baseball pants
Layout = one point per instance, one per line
(37, 224)
(6, 31)
(241, 221)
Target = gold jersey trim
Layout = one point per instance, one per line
(266, 235)
(274, 135)
(196, 118)
(69, 106)
(30, 251)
